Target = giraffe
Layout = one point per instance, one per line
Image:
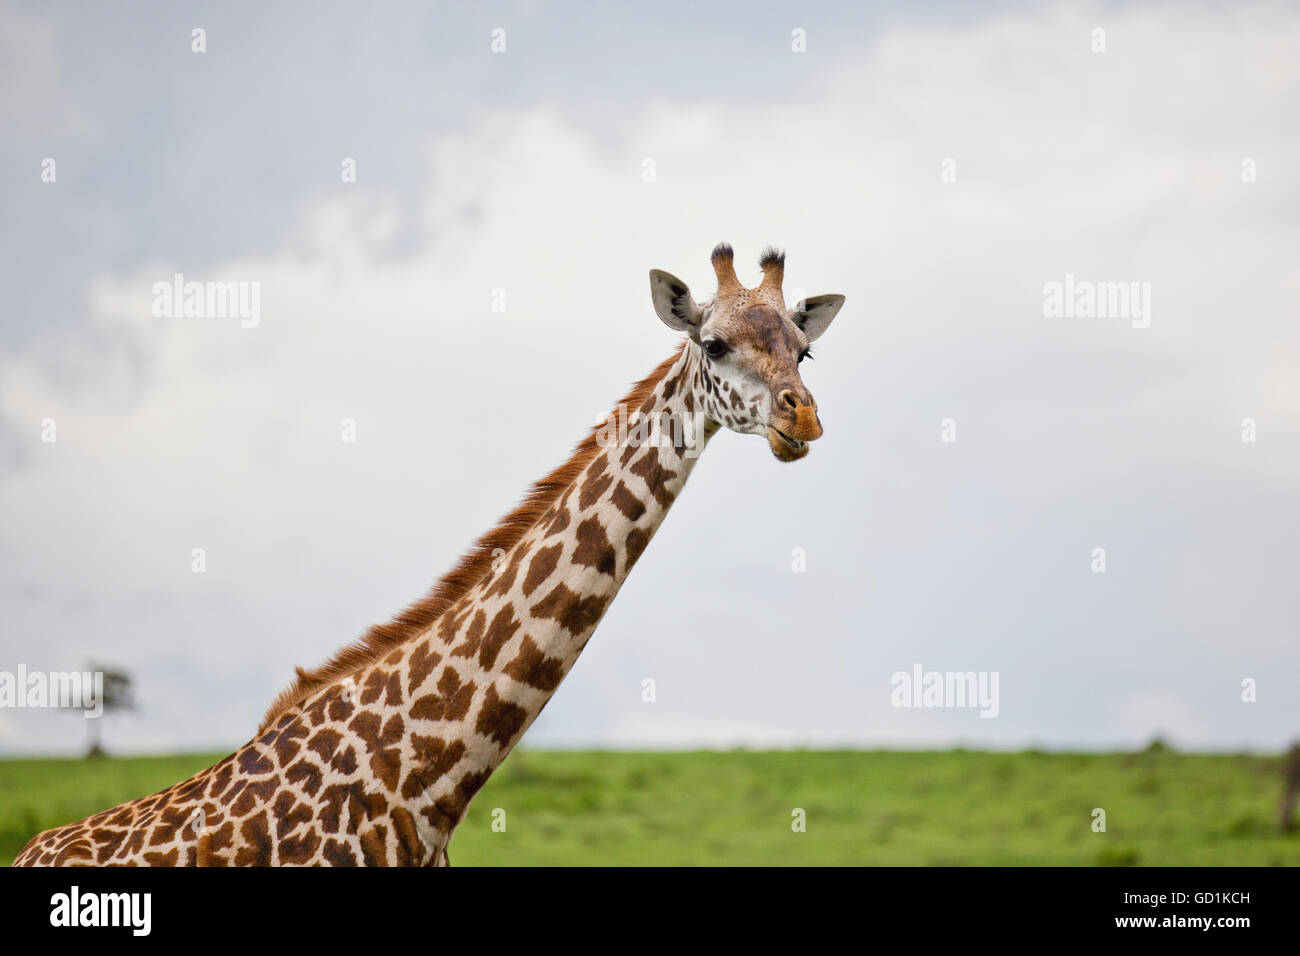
(373, 758)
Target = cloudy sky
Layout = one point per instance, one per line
(936, 164)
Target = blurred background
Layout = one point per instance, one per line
(437, 202)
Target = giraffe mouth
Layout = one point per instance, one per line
(783, 446)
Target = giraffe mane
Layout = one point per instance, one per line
(473, 566)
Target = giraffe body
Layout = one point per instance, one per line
(374, 758)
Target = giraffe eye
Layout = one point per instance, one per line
(806, 353)
(714, 348)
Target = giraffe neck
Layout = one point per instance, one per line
(493, 659)
(377, 766)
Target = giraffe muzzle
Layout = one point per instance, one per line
(794, 425)
(784, 447)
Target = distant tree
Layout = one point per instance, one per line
(115, 696)
(1290, 786)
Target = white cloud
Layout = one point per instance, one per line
(176, 433)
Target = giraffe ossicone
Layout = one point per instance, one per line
(373, 758)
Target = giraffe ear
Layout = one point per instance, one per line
(814, 315)
(673, 303)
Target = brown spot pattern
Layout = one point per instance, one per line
(594, 550)
(531, 666)
(631, 506)
(450, 703)
(573, 611)
(540, 568)
(655, 476)
(499, 719)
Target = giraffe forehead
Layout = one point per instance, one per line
(759, 326)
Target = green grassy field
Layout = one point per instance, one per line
(735, 807)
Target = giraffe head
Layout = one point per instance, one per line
(751, 344)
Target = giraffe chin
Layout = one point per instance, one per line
(784, 447)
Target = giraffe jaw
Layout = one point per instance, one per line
(784, 447)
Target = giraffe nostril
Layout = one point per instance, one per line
(787, 398)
